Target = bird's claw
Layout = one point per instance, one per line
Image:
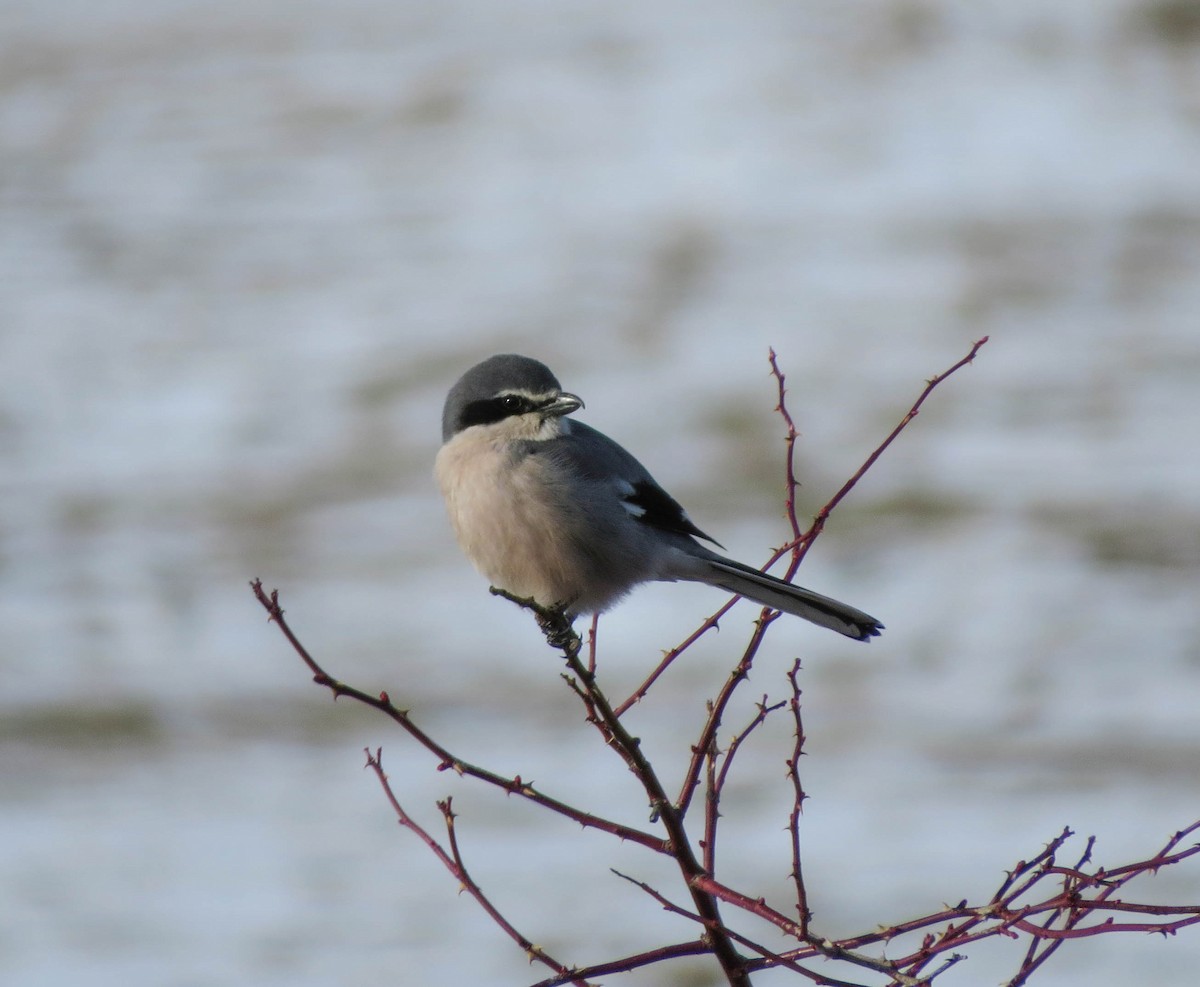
(554, 621)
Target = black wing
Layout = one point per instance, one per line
(652, 505)
(596, 457)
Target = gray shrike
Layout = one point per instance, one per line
(548, 508)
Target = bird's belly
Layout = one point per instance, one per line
(515, 527)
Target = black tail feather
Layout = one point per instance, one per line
(796, 600)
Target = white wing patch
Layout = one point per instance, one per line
(625, 491)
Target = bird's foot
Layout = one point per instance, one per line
(553, 621)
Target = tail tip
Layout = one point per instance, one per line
(867, 631)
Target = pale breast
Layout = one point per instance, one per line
(504, 516)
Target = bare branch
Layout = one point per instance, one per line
(800, 543)
(453, 862)
(803, 912)
(447, 761)
(559, 634)
(800, 546)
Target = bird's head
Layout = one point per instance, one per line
(512, 394)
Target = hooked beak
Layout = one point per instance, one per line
(564, 404)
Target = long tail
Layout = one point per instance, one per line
(796, 600)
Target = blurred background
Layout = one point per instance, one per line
(245, 250)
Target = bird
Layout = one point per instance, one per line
(550, 509)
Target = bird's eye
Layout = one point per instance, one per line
(510, 402)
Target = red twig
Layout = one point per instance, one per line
(803, 912)
(453, 862)
(559, 634)
(708, 733)
(805, 541)
(768, 958)
(710, 624)
(593, 631)
(693, 947)
(800, 543)
(716, 778)
(447, 761)
(716, 933)
(791, 484)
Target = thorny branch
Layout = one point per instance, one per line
(799, 545)
(453, 862)
(447, 761)
(1041, 899)
(798, 797)
(559, 634)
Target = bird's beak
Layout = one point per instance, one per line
(564, 404)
